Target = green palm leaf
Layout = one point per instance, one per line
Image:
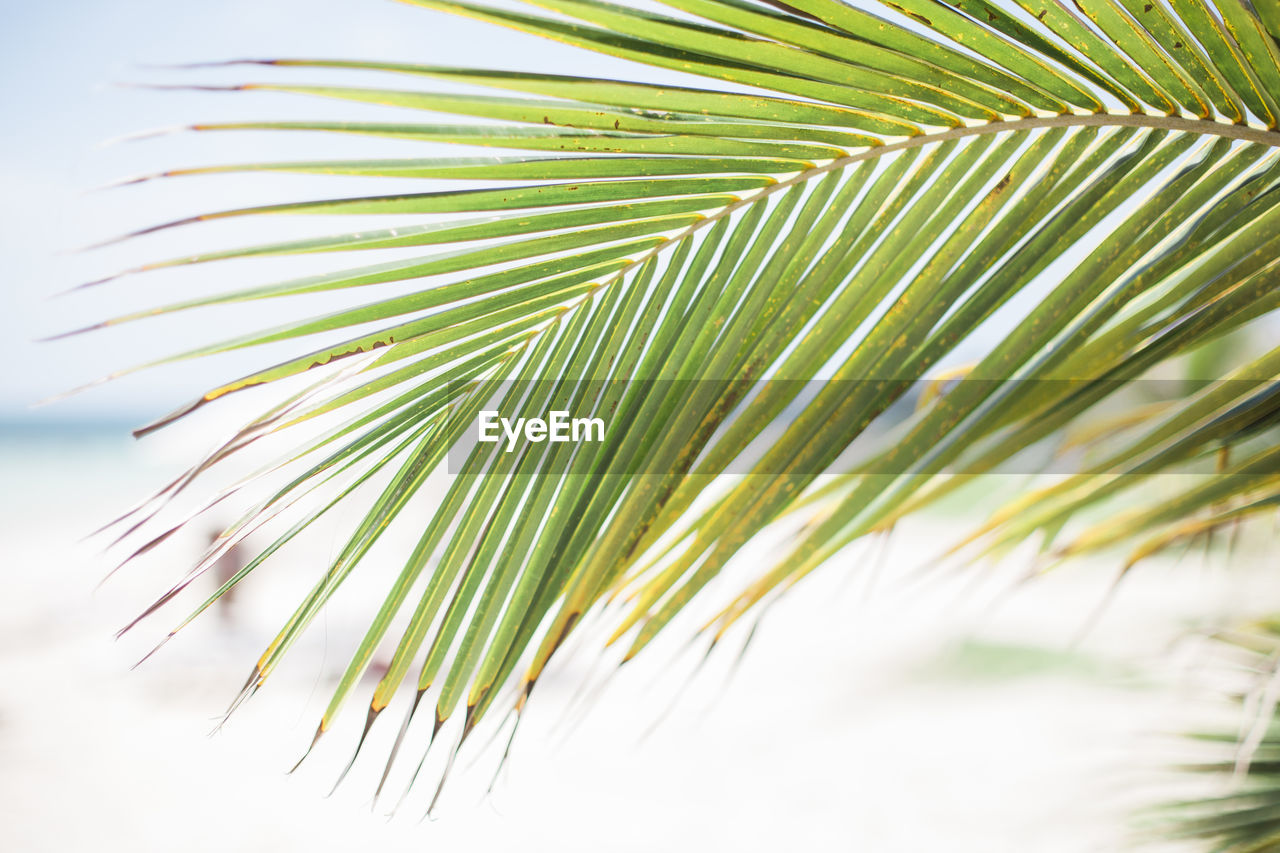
(1241, 812)
(852, 195)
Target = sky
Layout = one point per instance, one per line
(74, 71)
(71, 71)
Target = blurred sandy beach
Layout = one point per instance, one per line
(869, 714)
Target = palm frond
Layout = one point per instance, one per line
(836, 193)
(1244, 765)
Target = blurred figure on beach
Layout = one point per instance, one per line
(224, 569)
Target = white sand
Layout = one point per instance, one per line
(854, 723)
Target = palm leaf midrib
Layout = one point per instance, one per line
(1182, 124)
